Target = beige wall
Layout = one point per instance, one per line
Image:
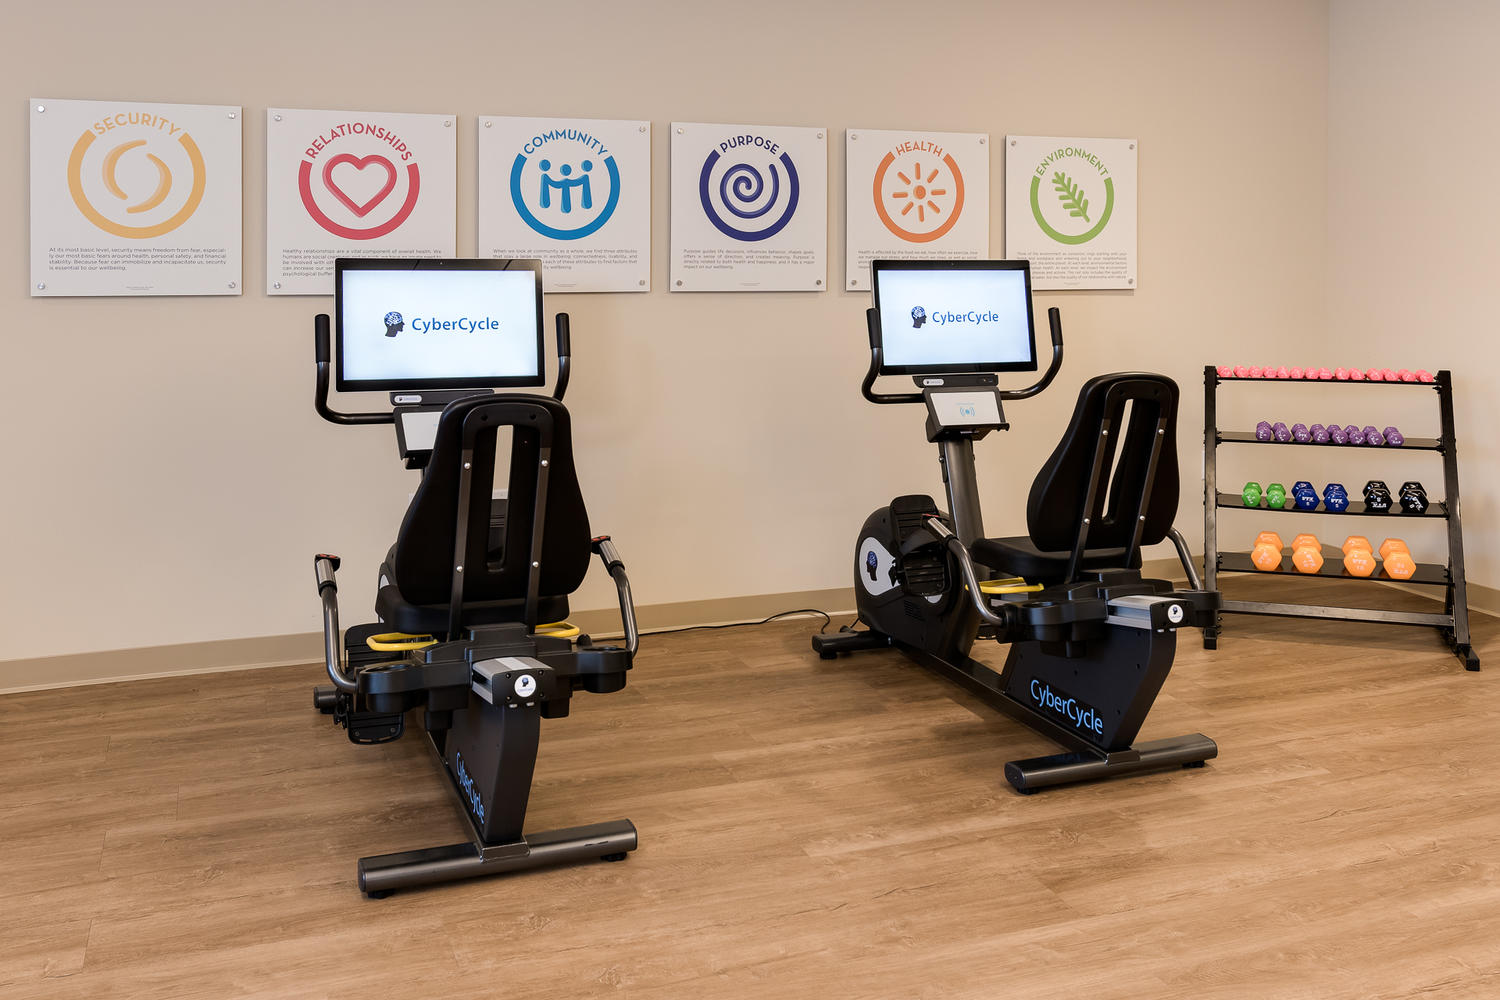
(169, 480)
(1414, 223)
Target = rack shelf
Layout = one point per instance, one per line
(1412, 444)
(1453, 622)
(1356, 508)
(1432, 574)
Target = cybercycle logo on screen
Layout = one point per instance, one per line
(748, 200)
(919, 191)
(946, 317)
(136, 175)
(565, 184)
(350, 184)
(395, 323)
(1070, 212)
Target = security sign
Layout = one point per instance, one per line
(134, 199)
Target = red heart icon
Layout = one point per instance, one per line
(360, 163)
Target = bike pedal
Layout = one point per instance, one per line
(369, 728)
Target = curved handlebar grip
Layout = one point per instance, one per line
(872, 326)
(1054, 322)
(564, 356)
(320, 337)
(320, 387)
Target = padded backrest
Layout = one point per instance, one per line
(424, 552)
(1055, 509)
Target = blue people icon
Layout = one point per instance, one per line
(918, 316)
(565, 186)
(394, 324)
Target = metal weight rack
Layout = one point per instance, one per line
(1454, 621)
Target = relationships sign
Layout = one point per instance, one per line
(354, 184)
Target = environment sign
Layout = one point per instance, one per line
(1070, 209)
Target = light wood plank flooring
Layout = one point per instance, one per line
(808, 829)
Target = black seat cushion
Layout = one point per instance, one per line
(1020, 557)
(432, 619)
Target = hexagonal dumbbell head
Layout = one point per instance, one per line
(1354, 434)
(1413, 502)
(1336, 502)
(1269, 538)
(1393, 437)
(1276, 496)
(1266, 557)
(1336, 434)
(1372, 436)
(1281, 431)
(1400, 565)
(1391, 545)
(1356, 542)
(1359, 562)
(1308, 559)
(1250, 495)
(1263, 431)
(1304, 541)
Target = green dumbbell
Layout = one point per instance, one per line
(1276, 496)
(1251, 494)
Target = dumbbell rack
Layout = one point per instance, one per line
(1454, 621)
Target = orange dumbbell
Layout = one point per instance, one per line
(1266, 557)
(1392, 545)
(1307, 553)
(1360, 562)
(1268, 538)
(1357, 542)
(1399, 565)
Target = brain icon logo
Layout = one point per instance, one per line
(393, 323)
(918, 316)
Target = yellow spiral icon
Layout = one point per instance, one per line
(111, 184)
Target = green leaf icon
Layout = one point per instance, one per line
(1071, 195)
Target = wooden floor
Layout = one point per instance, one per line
(808, 829)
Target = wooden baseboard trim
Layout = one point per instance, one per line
(184, 659)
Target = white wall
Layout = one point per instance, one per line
(169, 480)
(1414, 222)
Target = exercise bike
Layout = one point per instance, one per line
(471, 581)
(1091, 640)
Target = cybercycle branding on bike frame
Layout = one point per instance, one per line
(1059, 702)
(466, 785)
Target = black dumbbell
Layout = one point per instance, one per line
(1377, 497)
(1413, 498)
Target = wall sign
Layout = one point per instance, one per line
(1070, 209)
(130, 198)
(355, 184)
(914, 195)
(575, 193)
(749, 208)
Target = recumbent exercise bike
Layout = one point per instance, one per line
(470, 580)
(1091, 641)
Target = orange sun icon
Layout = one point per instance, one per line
(919, 195)
(916, 196)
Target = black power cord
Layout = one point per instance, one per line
(827, 620)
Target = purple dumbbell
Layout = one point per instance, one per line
(1283, 435)
(1354, 434)
(1319, 433)
(1301, 434)
(1263, 431)
(1372, 436)
(1393, 437)
(1336, 434)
